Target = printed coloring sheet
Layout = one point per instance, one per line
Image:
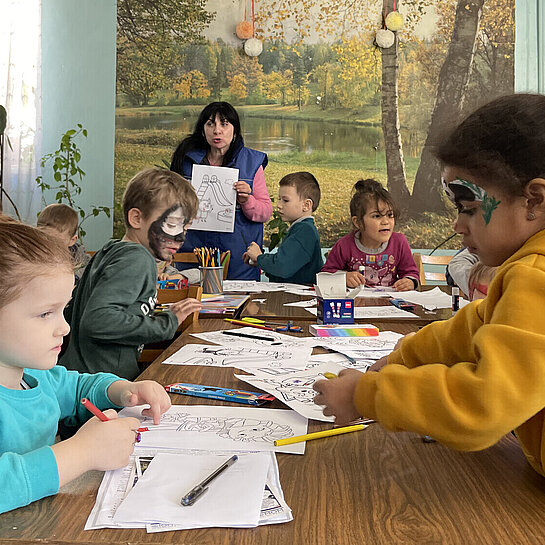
(211, 427)
(244, 356)
(275, 339)
(295, 388)
(217, 198)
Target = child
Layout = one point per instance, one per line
(111, 314)
(373, 254)
(35, 394)
(478, 281)
(458, 269)
(63, 221)
(299, 256)
(470, 380)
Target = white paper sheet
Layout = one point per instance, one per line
(278, 339)
(304, 304)
(212, 427)
(252, 286)
(234, 498)
(242, 356)
(117, 484)
(386, 311)
(295, 389)
(217, 198)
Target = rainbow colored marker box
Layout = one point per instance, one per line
(335, 311)
(340, 330)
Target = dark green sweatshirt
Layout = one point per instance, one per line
(111, 313)
(299, 256)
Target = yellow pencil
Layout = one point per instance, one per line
(327, 374)
(318, 435)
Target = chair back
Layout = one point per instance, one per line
(431, 277)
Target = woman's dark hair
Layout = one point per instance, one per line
(368, 192)
(503, 141)
(197, 140)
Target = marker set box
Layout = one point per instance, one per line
(335, 311)
(335, 306)
(223, 394)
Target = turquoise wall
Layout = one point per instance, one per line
(78, 86)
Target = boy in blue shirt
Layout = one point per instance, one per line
(299, 256)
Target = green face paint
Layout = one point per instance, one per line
(462, 190)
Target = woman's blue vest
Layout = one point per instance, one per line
(246, 231)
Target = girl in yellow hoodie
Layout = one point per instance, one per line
(470, 380)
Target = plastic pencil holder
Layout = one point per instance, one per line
(211, 279)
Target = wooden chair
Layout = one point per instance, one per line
(429, 277)
(190, 257)
(153, 350)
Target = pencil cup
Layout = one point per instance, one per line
(212, 279)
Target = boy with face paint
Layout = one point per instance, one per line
(111, 313)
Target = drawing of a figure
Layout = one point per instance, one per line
(237, 355)
(237, 429)
(295, 388)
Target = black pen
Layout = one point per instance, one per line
(248, 336)
(195, 493)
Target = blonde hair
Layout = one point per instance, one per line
(26, 252)
(153, 188)
(480, 276)
(60, 217)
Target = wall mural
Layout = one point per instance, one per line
(315, 90)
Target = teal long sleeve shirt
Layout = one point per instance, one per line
(28, 426)
(299, 256)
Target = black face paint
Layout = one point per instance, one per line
(167, 233)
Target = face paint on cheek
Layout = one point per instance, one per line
(462, 190)
(167, 233)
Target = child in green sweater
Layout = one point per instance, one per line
(111, 314)
(299, 256)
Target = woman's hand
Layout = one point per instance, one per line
(243, 191)
(354, 279)
(337, 394)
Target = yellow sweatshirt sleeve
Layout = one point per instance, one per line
(463, 383)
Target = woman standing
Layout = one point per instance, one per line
(216, 141)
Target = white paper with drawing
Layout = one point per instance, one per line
(252, 336)
(157, 494)
(221, 428)
(242, 356)
(217, 198)
(295, 388)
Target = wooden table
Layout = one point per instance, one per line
(371, 487)
(273, 309)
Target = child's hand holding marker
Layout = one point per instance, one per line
(336, 396)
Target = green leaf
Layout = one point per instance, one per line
(57, 176)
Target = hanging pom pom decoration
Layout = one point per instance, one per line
(253, 47)
(385, 38)
(244, 30)
(394, 21)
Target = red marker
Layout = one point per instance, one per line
(102, 417)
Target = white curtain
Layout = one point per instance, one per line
(530, 46)
(20, 94)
